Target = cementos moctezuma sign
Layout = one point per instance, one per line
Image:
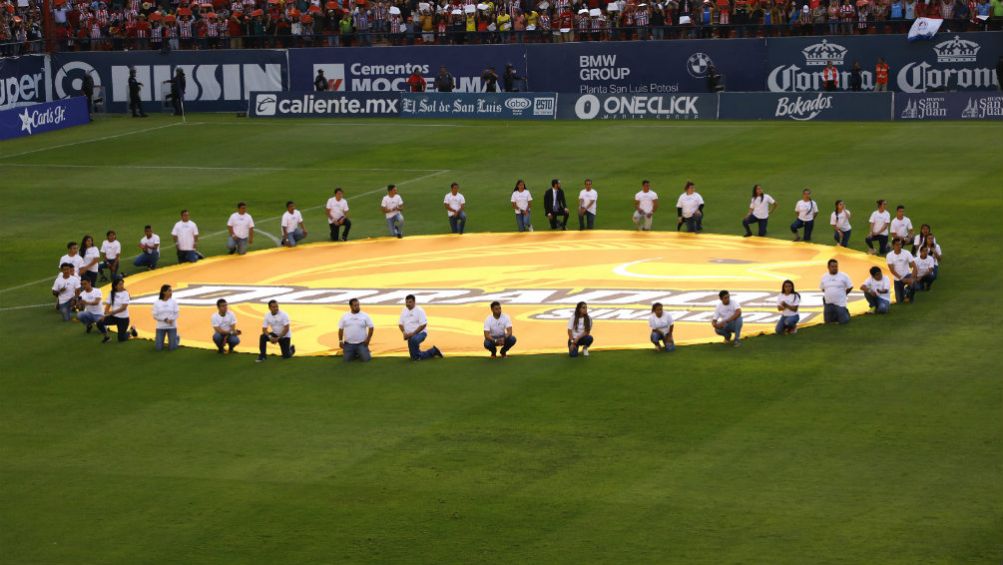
(39, 118)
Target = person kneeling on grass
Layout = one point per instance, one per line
(835, 286)
(903, 268)
(65, 288)
(580, 330)
(787, 304)
(877, 291)
(925, 266)
(498, 331)
(293, 229)
(89, 304)
(355, 332)
(224, 327)
(116, 311)
(413, 324)
(661, 325)
(727, 320)
(275, 328)
(165, 312)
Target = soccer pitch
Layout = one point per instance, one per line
(877, 442)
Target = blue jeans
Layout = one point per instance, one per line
(662, 342)
(188, 256)
(172, 339)
(879, 305)
(926, 281)
(458, 222)
(522, 222)
(491, 346)
(237, 244)
(220, 340)
(584, 341)
(832, 313)
(148, 260)
(86, 318)
(882, 243)
(904, 289)
(750, 219)
(586, 221)
(694, 223)
(842, 237)
(787, 323)
(294, 237)
(732, 327)
(808, 227)
(414, 347)
(66, 310)
(395, 224)
(360, 350)
(121, 325)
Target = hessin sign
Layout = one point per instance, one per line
(322, 104)
(638, 106)
(805, 107)
(949, 106)
(47, 116)
(507, 106)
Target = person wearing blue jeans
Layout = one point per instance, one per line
(89, 301)
(293, 228)
(355, 332)
(240, 226)
(840, 222)
(521, 199)
(186, 239)
(880, 221)
(224, 328)
(149, 247)
(727, 320)
(804, 211)
(903, 267)
(277, 329)
(835, 287)
(760, 208)
(165, 312)
(788, 303)
(65, 288)
(116, 312)
(498, 331)
(661, 325)
(392, 204)
(580, 331)
(455, 205)
(412, 324)
(587, 198)
(877, 291)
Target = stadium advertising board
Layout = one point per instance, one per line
(863, 106)
(506, 106)
(949, 106)
(958, 61)
(386, 69)
(40, 118)
(322, 104)
(217, 80)
(638, 107)
(22, 81)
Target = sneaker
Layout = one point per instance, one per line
(747, 235)
(436, 352)
(292, 351)
(399, 235)
(504, 355)
(90, 327)
(106, 338)
(737, 343)
(585, 351)
(220, 350)
(797, 238)
(260, 359)
(133, 332)
(493, 355)
(344, 238)
(230, 348)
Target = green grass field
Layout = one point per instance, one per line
(878, 442)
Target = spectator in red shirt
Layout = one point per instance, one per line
(416, 82)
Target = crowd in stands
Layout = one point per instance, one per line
(20, 27)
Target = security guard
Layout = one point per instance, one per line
(177, 90)
(88, 90)
(320, 83)
(135, 104)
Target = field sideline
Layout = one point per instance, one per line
(879, 442)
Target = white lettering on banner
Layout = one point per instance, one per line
(931, 107)
(986, 107)
(402, 69)
(923, 76)
(31, 119)
(267, 104)
(24, 88)
(588, 106)
(792, 79)
(601, 67)
(802, 109)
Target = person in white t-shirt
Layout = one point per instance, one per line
(840, 222)
(498, 331)
(587, 198)
(412, 324)
(835, 287)
(149, 249)
(186, 239)
(456, 209)
(661, 324)
(689, 209)
(788, 303)
(932, 248)
(760, 208)
(72, 257)
(275, 328)
(337, 215)
(355, 332)
(925, 266)
(580, 330)
(116, 311)
(880, 221)
(391, 205)
(89, 304)
(901, 226)
(111, 248)
(165, 311)
(91, 256)
(877, 291)
(805, 212)
(224, 327)
(521, 199)
(293, 229)
(240, 226)
(645, 206)
(727, 320)
(903, 268)
(65, 289)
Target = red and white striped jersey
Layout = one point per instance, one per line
(185, 29)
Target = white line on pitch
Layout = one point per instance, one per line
(9, 308)
(189, 168)
(84, 141)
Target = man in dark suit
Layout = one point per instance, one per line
(555, 205)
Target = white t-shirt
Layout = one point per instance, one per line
(690, 203)
(164, 310)
(841, 221)
(66, 287)
(356, 327)
(880, 287)
(291, 221)
(898, 263)
(579, 330)
(241, 224)
(77, 261)
(724, 311)
(806, 211)
(225, 323)
(275, 323)
(336, 209)
(393, 203)
(924, 266)
(152, 243)
(412, 319)
(646, 201)
(111, 249)
(834, 288)
(787, 301)
(522, 198)
(589, 196)
(661, 324)
(91, 254)
(900, 228)
(185, 232)
(880, 221)
(496, 327)
(94, 294)
(761, 206)
(455, 202)
(121, 299)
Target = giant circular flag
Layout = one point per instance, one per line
(538, 277)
